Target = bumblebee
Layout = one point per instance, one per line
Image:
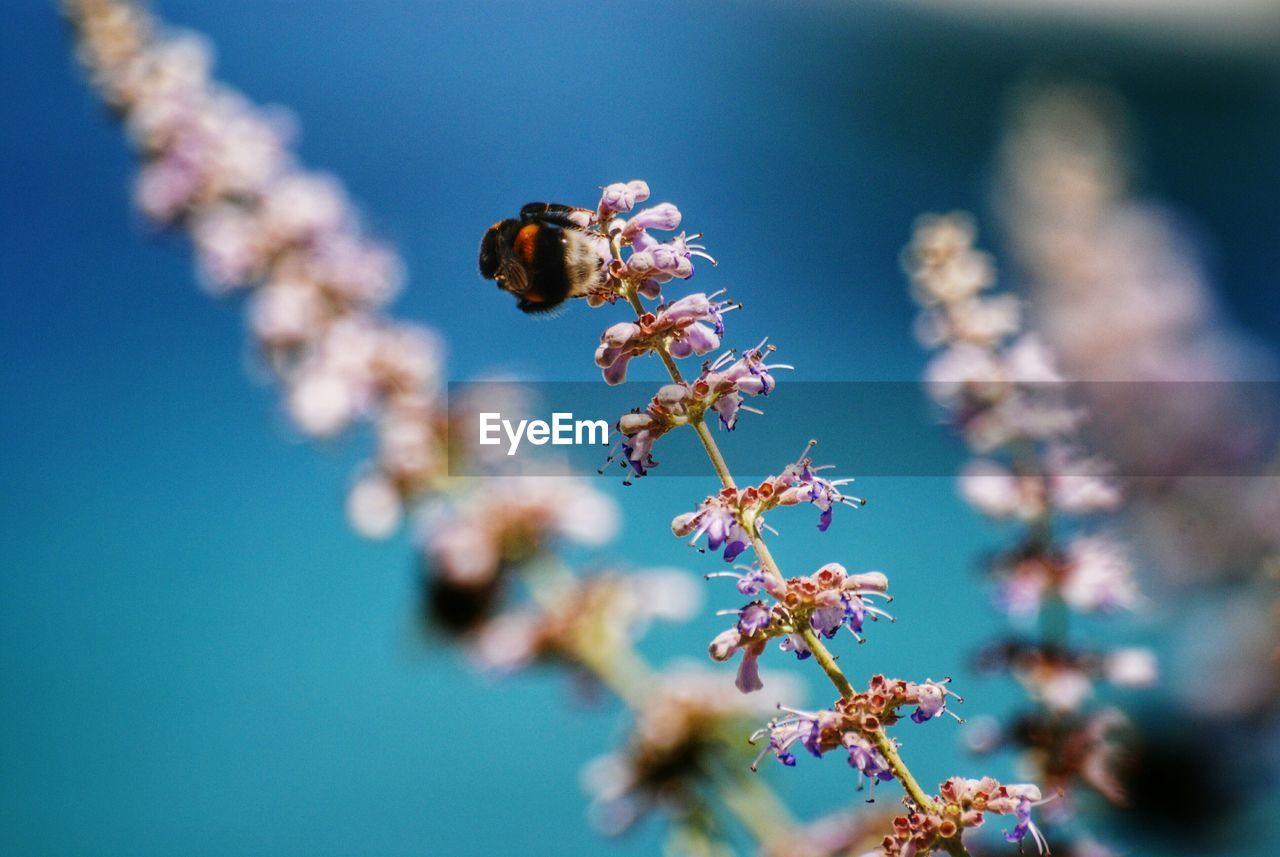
(544, 257)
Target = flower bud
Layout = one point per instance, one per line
(629, 424)
(725, 644)
(623, 196)
(664, 216)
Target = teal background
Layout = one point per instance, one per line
(197, 657)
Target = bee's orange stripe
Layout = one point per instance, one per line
(524, 242)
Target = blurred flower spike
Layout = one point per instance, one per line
(1003, 392)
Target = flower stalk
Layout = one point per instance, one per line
(822, 603)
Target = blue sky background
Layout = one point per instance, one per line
(196, 657)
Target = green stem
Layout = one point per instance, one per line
(828, 663)
(899, 768)
(953, 845)
(717, 461)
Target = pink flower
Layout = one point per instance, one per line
(1099, 577)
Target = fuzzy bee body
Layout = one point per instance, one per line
(544, 257)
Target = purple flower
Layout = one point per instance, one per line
(1020, 830)
(650, 289)
(806, 486)
(729, 380)
(639, 432)
(806, 728)
(750, 375)
(835, 600)
(728, 643)
(663, 216)
(691, 325)
(699, 324)
(749, 634)
(932, 701)
(866, 759)
(616, 350)
(668, 408)
(719, 523)
(753, 618)
(752, 580)
(660, 263)
(725, 644)
(841, 610)
(748, 678)
(697, 339)
(795, 643)
(751, 583)
(828, 620)
(1017, 800)
(663, 262)
(622, 196)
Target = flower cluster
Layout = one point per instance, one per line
(585, 619)
(1122, 292)
(963, 803)
(682, 725)
(1061, 678)
(1008, 401)
(825, 601)
(1007, 398)
(647, 263)
(1092, 574)
(732, 516)
(691, 325)
(471, 542)
(719, 390)
(855, 724)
